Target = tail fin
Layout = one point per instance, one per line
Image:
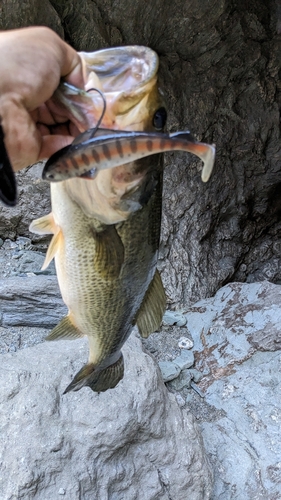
(98, 380)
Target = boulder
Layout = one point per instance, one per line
(31, 301)
(237, 348)
(133, 442)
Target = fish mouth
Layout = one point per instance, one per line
(125, 69)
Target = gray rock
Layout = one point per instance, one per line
(196, 375)
(185, 359)
(185, 343)
(182, 381)
(31, 261)
(174, 318)
(168, 370)
(34, 201)
(132, 442)
(237, 347)
(31, 301)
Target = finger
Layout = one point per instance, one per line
(22, 139)
(52, 143)
(71, 67)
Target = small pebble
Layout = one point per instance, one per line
(169, 370)
(23, 242)
(185, 343)
(185, 359)
(182, 381)
(17, 255)
(62, 491)
(11, 244)
(180, 400)
(189, 398)
(1, 242)
(196, 389)
(196, 375)
(174, 318)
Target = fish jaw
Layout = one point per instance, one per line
(127, 77)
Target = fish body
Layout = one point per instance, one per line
(94, 151)
(106, 235)
(106, 228)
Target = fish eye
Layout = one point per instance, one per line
(160, 118)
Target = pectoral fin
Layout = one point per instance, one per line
(151, 311)
(53, 248)
(109, 255)
(98, 380)
(44, 225)
(65, 330)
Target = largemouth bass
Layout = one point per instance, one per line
(106, 230)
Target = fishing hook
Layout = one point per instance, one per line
(103, 111)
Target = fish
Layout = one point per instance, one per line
(106, 228)
(94, 150)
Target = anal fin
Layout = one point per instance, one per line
(98, 380)
(150, 313)
(65, 330)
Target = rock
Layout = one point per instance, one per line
(34, 201)
(185, 343)
(185, 359)
(33, 261)
(196, 375)
(31, 301)
(132, 442)
(174, 318)
(182, 381)
(237, 347)
(180, 400)
(168, 370)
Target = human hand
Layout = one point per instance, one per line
(32, 62)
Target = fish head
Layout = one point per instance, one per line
(127, 79)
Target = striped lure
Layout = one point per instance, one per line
(111, 148)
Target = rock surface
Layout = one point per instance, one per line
(237, 347)
(31, 301)
(133, 442)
